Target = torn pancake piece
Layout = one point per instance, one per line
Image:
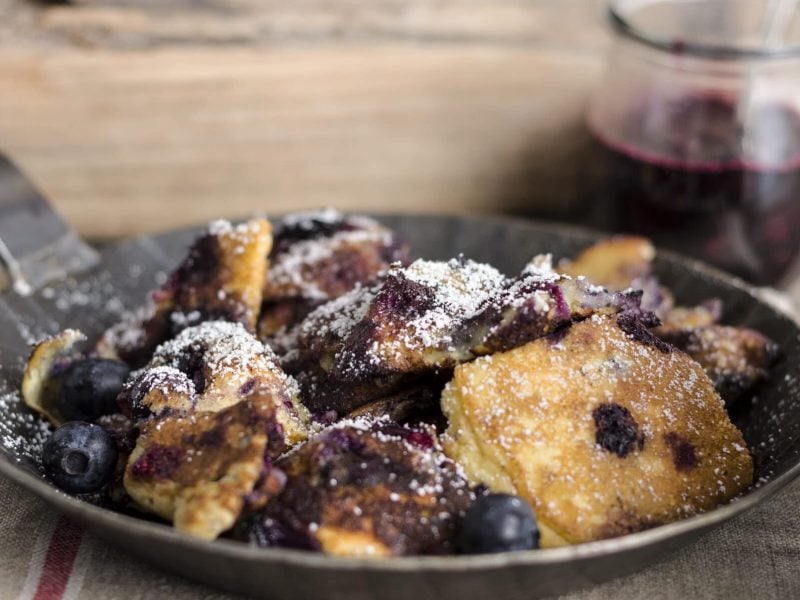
(370, 342)
(604, 429)
(210, 367)
(365, 488)
(324, 254)
(735, 358)
(321, 255)
(614, 262)
(201, 470)
(622, 262)
(41, 379)
(221, 279)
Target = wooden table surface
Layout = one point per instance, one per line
(141, 115)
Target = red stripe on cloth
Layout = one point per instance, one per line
(58, 562)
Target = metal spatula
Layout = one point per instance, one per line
(36, 245)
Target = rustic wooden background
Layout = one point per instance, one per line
(141, 115)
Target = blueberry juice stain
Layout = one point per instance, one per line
(686, 177)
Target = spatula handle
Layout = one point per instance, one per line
(36, 245)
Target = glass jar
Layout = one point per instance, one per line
(696, 131)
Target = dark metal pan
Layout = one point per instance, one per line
(127, 270)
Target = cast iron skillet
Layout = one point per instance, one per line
(126, 271)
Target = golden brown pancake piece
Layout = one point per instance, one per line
(605, 429)
(619, 263)
(199, 470)
(39, 386)
(680, 318)
(613, 262)
(735, 358)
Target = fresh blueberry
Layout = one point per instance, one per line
(90, 388)
(79, 457)
(498, 523)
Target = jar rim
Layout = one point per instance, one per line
(623, 26)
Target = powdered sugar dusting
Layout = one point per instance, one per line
(224, 227)
(337, 317)
(307, 220)
(227, 343)
(128, 333)
(22, 432)
(460, 288)
(296, 268)
(165, 375)
(540, 265)
(454, 292)
(534, 406)
(439, 475)
(436, 314)
(226, 349)
(413, 310)
(462, 285)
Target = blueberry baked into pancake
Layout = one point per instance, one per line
(309, 386)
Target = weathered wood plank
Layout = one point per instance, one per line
(154, 113)
(573, 24)
(130, 142)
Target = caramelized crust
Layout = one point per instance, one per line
(365, 488)
(200, 471)
(605, 429)
(221, 278)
